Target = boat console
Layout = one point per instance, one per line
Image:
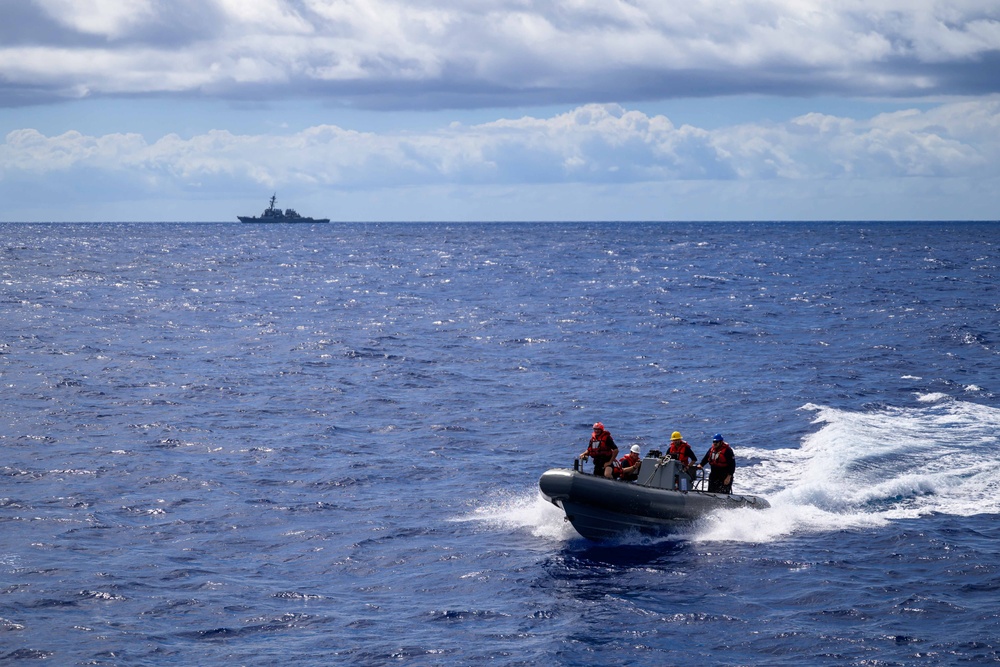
(665, 473)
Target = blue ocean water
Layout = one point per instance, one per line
(246, 445)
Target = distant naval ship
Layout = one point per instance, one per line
(272, 214)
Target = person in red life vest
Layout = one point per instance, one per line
(723, 462)
(627, 467)
(682, 451)
(602, 449)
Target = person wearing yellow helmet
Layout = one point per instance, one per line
(680, 450)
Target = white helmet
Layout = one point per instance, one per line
(635, 449)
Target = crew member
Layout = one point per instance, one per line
(723, 462)
(627, 467)
(602, 449)
(680, 450)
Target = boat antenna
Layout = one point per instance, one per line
(273, 197)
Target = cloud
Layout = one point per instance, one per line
(592, 144)
(94, 17)
(467, 53)
(954, 140)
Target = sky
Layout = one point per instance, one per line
(500, 110)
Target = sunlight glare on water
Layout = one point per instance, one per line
(244, 445)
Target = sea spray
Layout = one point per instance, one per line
(510, 510)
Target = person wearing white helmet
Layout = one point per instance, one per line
(602, 449)
(627, 467)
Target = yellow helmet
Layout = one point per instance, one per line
(676, 435)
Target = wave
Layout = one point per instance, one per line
(858, 470)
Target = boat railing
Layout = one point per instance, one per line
(700, 481)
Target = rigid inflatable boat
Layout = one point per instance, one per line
(662, 499)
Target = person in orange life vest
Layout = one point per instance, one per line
(602, 449)
(723, 462)
(682, 451)
(626, 468)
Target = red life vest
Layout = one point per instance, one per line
(682, 451)
(629, 460)
(626, 461)
(720, 456)
(603, 449)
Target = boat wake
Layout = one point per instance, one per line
(859, 470)
(865, 469)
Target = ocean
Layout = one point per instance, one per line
(230, 444)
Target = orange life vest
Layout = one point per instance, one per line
(720, 456)
(603, 449)
(627, 461)
(682, 451)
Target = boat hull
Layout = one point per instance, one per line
(245, 218)
(602, 509)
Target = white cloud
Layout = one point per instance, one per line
(266, 16)
(100, 17)
(30, 151)
(590, 144)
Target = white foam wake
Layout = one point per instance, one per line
(864, 469)
(860, 469)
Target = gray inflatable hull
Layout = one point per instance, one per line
(602, 509)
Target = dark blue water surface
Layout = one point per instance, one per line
(252, 445)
